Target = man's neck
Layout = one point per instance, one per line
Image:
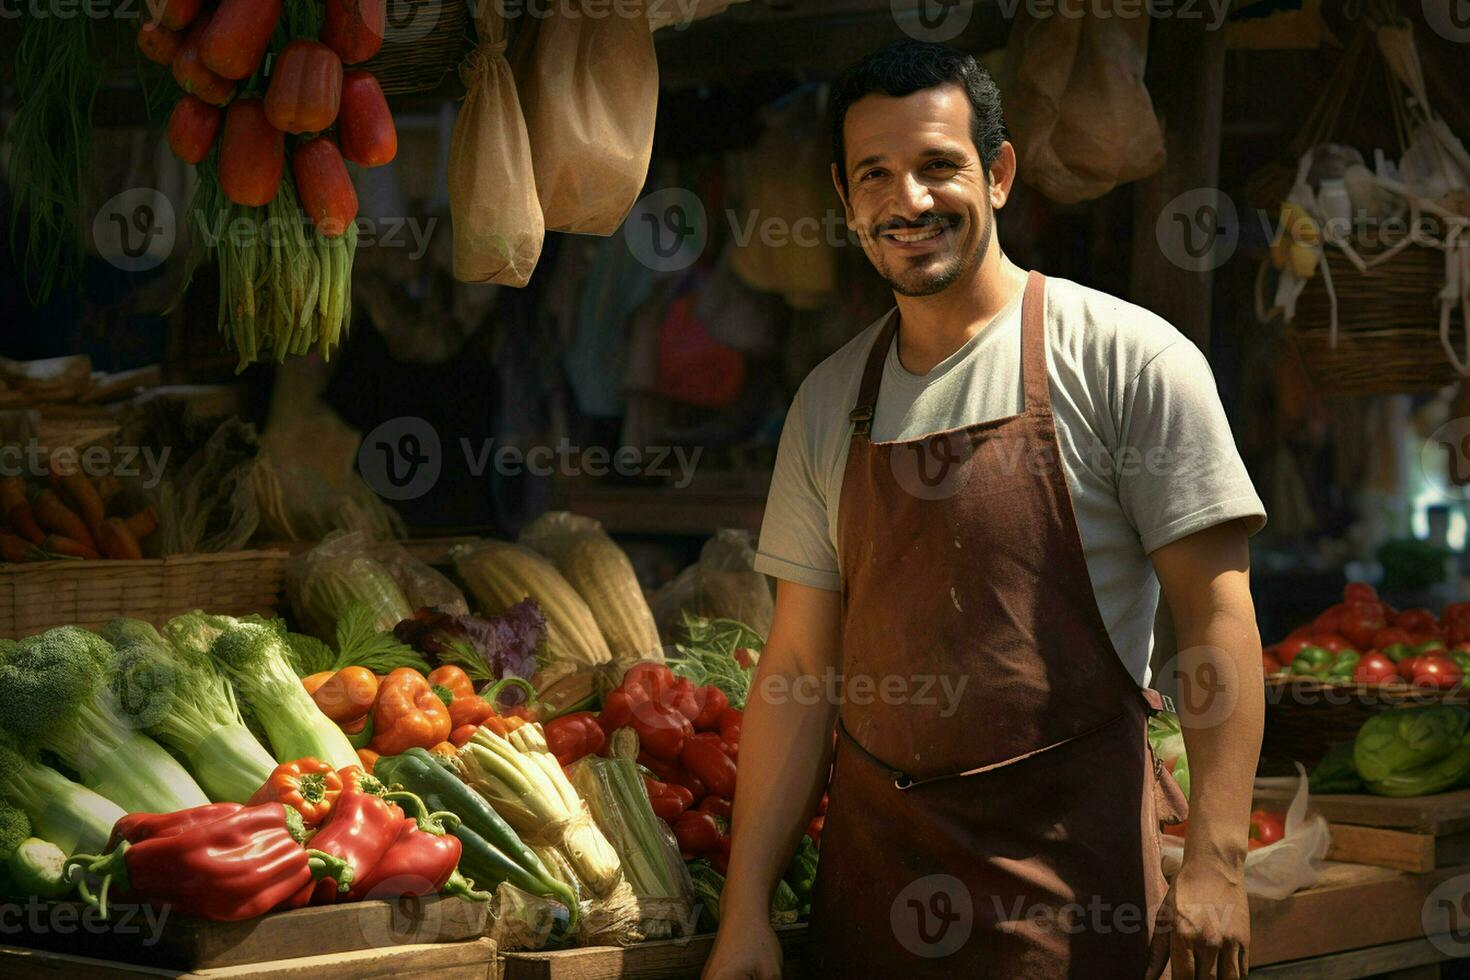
(933, 327)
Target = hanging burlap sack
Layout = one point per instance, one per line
(1079, 114)
(590, 92)
(498, 227)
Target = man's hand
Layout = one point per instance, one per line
(744, 951)
(1206, 579)
(1210, 925)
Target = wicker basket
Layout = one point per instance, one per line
(1388, 326)
(425, 40)
(36, 597)
(1305, 717)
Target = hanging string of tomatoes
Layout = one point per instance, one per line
(263, 81)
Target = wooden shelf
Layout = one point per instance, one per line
(664, 510)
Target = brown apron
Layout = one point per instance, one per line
(1008, 827)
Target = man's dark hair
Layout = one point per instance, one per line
(904, 67)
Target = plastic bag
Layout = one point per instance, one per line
(349, 567)
(1079, 114)
(590, 93)
(1277, 870)
(723, 584)
(498, 228)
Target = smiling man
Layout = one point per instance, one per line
(988, 489)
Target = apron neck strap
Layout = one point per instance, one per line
(1033, 358)
(1033, 344)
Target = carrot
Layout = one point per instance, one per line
(13, 548)
(24, 522)
(117, 541)
(143, 523)
(53, 514)
(80, 492)
(64, 547)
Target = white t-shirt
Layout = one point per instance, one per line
(1147, 450)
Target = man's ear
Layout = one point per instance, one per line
(842, 195)
(1002, 175)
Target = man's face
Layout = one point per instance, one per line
(916, 192)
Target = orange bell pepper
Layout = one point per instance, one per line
(347, 695)
(472, 710)
(313, 682)
(408, 714)
(453, 678)
(308, 786)
(368, 758)
(446, 749)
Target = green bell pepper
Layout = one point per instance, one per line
(1462, 660)
(1336, 772)
(1398, 651)
(38, 867)
(1312, 660)
(1342, 668)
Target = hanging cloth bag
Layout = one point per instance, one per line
(590, 92)
(498, 228)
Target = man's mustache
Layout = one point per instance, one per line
(927, 220)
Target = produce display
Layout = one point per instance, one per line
(1363, 640)
(262, 84)
(230, 767)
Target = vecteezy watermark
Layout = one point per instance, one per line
(1208, 685)
(128, 462)
(1199, 229)
(933, 916)
(135, 230)
(1213, 12)
(667, 229)
(1445, 459)
(938, 21)
(1450, 19)
(1097, 915)
(403, 458)
(36, 917)
(836, 688)
(400, 231)
(1445, 916)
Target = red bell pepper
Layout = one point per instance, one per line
(814, 828)
(354, 28)
(238, 867)
(135, 828)
(698, 833)
(713, 704)
(668, 800)
(252, 155)
(684, 699)
(717, 805)
(306, 88)
(364, 124)
(192, 74)
(192, 127)
(330, 200)
(360, 831)
(356, 779)
(730, 722)
(159, 44)
(238, 35)
(308, 786)
(574, 736)
(422, 860)
(704, 756)
(673, 773)
(661, 728)
(473, 710)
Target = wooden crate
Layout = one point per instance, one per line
(663, 960)
(36, 596)
(472, 960)
(181, 943)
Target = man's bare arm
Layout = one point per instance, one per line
(785, 749)
(1206, 579)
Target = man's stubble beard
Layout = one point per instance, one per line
(952, 271)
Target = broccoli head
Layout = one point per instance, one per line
(121, 632)
(49, 678)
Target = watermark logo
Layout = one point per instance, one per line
(938, 21)
(1445, 916)
(1208, 685)
(1450, 19)
(135, 230)
(1445, 459)
(1199, 229)
(934, 468)
(35, 917)
(667, 229)
(934, 916)
(401, 458)
(407, 22)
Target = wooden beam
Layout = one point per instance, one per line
(1186, 79)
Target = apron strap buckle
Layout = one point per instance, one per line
(902, 780)
(861, 419)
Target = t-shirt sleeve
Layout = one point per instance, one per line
(1178, 468)
(795, 544)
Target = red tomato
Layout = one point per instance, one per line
(1267, 827)
(1287, 649)
(1329, 620)
(1302, 632)
(1269, 664)
(1417, 618)
(1390, 635)
(1359, 592)
(1375, 668)
(1455, 612)
(1420, 637)
(1334, 643)
(1406, 667)
(1360, 621)
(1436, 672)
(1459, 632)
